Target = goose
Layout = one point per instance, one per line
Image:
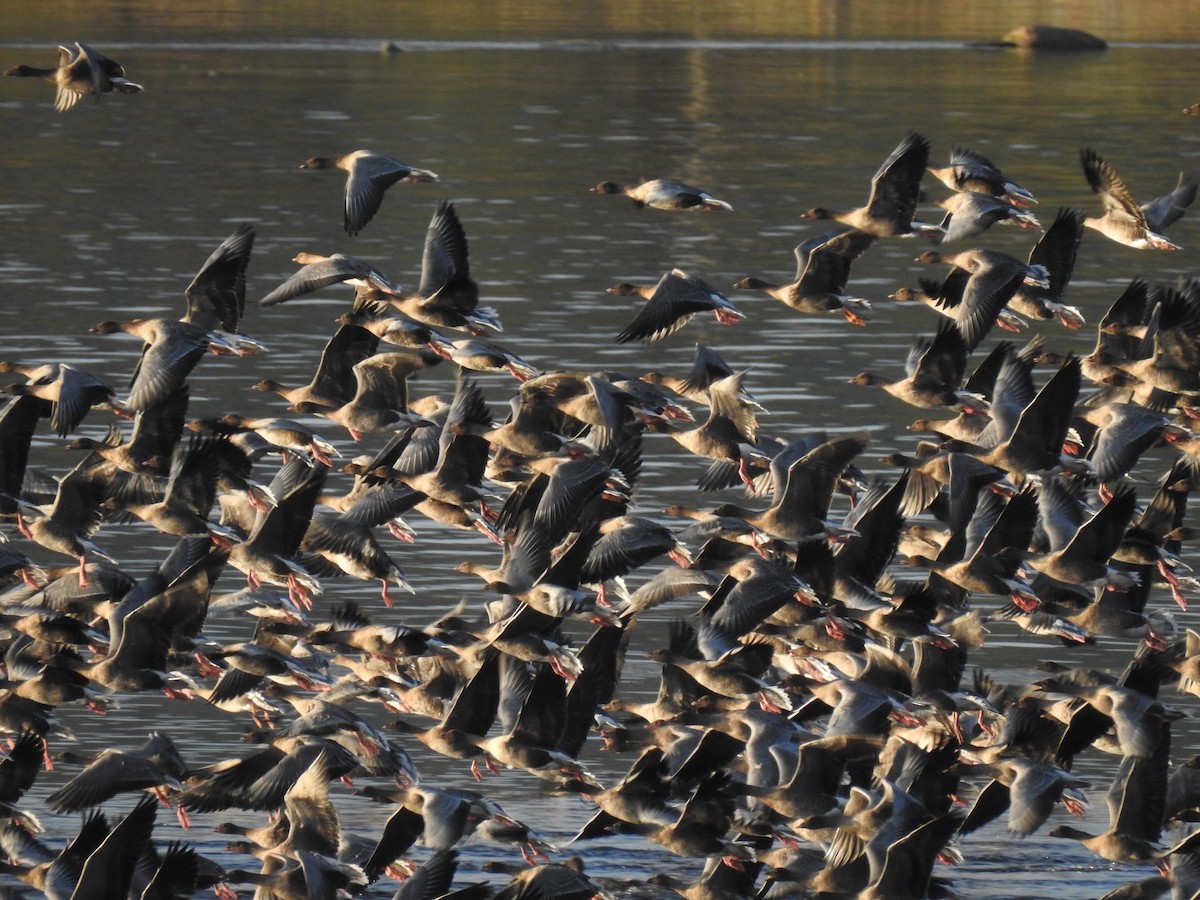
(352, 549)
(548, 880)
(1124, 221)
(972, 171)
(903, 870)
(191, 489)
(895, 189)
(70, 391)
(18, 422)
(535, 721)
(453, 472)
(638, 797)
(392, 329)
(991, 280)
(671, 304)
(268, 554)
(318, 271)
(81, 72)
(1027, 430)
(660, 193)
(446, 296)
(1140, 720)
(707, 366)
(242, 667)
(351, 630)
(1168, 353)
(965, 427)
(1055, 251)
(482, 356)
(728, 434)
(625, 543)
(971, 213)
(804, 485)
(100, 858)
(171, 350)
(526, 559)
(66, 526)
(380, 401)
(1081, 551)
(590, 403)
(259, 779)
(1136, 803)
(368, 176)
(978, 289)
(934, 367)
(981, 261)
(946, 299)
(1028, 789)
(534, 427)
(283, 435)
(1124, 432)
(700, 827)
(978, 557)
(822, 271)
(151, 446)
(157, 765)
(736, 674)
(469, 713)
(333, 384)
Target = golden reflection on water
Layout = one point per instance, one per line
(548, 19)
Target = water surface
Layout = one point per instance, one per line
(109, 209)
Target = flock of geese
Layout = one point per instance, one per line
(818, 731)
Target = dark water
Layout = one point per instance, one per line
(109, 209)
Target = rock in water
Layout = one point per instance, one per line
(1047, 37)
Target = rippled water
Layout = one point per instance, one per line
(109, 209)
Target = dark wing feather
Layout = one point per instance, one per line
(445, 266)
(370, 176)
(896, 186)
(216, 298)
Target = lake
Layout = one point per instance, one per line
(110, 208)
